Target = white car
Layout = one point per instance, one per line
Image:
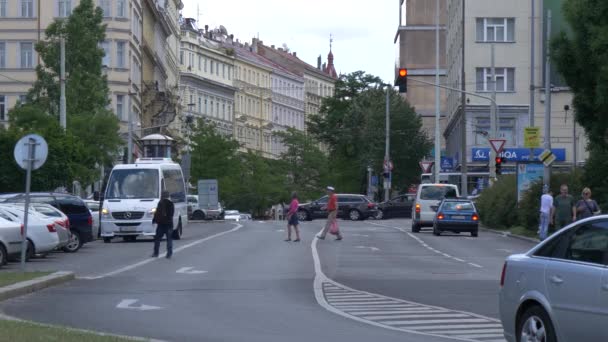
(428, 196)
(67, 242)
(41, 233)
(232, 215)
(10, 239)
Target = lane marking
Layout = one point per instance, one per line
(128, 305)
(149, 260)
(373, 249)
(475, 265)
(189, 270)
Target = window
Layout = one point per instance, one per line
(26, 10)
(27, 55)
(2, 8)
(120, 54)
(72, 205)
(200, 63)
(229, 72)
(206, 108)
(120, 105)
(200, 104)
(211, 108)
(2, 108)
(136, 26)
(105, 61)
(2, 55)
(211, 67)
(205, 65)
(217, 69)
(434, 192)
(136, 72)
(121, 8)
(224, 111)
(504, 78)
(64, 8)
(495, 29)
(586, 243)
(22, 98)
(191, 60)
(105, 7)
(223, 70)
(506, 130)
(181, 57)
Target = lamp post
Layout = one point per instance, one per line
(130, 129)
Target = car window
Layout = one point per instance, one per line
(72, 205)
(350, 199)
(589, 243)
(192, 200)
(399, 199)
(7, 217)
(457, 206)
(46, 211)
(34, 199)
(437, 192)
(322, 200)
(94, 206)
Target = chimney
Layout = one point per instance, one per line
(281, 49)
(254, 45)
(272, 46)
(319, 62)
(295, 54)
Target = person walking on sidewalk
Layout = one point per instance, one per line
(163, 217)
(586, 207)
(546, 213)
(565, 208)
(332, 208)
(292, 218)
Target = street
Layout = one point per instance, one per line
(242, 282)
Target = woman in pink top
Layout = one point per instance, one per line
(292, 218)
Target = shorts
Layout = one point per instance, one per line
(293, 220)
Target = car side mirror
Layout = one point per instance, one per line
(434, 208)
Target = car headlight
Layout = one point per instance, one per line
(105, 212)
(151, 212)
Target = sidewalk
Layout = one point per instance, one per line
(508, 233)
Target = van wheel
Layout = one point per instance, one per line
(415, 227)
(198, 215)
(74, 244)
(129, 238)
(107, 240)
(177, 232)
(3, 256)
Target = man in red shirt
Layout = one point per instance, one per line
(332, 208)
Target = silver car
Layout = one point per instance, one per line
(558, 291)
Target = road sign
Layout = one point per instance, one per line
(40, 151)
(531, 137)
(497, 144)
(547, 157)
(426, 166)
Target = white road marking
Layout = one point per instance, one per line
(128, 305)
(436, 321)
(280, 230)
(505, 250)
(457, 326)
(441, 315)
(475, 265)
(373, 249)
(149, 260)
(362, 235)
(189, 270)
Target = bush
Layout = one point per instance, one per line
(497, 204)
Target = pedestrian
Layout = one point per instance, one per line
(586, 207)
(292, 218)
(332, 209)
(546, 213)
(565, 208)
(163, 217)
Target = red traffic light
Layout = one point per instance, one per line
(498, 160)
(402, 72)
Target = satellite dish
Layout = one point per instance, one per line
(223, 30)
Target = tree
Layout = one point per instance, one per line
(305, 164)
(89, 121)
(352, 124)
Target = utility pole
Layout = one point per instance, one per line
(62, 104)
(387, 182)
(130, 128)
(532, 69)
(369, 182)
(437, 95)
(573, 142)
(463, 122)
(493, 123)
(547, 174)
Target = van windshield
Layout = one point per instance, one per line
(437, 192)
(133, 184)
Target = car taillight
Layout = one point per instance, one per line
(67, 223)
(371, 205)
(51, 228)
(417, 207)
(22, 229)
(90, 220)
(502, 275)
(440, 216)
(475, 217)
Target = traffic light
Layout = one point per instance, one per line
(401, 80)
(498, 164)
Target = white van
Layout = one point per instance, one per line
(132, 194)
(428, 196)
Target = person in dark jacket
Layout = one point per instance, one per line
(163, 217)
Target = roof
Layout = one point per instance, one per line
(293, 58)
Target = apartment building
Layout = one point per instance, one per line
(415, 43)
(473, 27)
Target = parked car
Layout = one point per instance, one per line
(94, 209)
(63, 228)
(400, 206)
(232, 215)
(456, 215)
(10, 239)
(81, 220)
(558, 291)
(427, 196)
(350, 206)
(195, 212)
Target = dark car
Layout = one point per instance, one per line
(81, 222)
(456, 215)
(400, 206)
(350, 206)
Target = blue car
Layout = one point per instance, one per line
(456, 215)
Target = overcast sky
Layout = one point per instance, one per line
(363, 30)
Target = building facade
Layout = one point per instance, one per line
(415, 44)
(473, 27)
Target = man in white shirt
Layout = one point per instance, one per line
(546, 213)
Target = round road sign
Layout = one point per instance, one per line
(41, 151)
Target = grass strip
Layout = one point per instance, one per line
(17, 331)
(12, 277)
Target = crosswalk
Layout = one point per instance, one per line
(411, 317)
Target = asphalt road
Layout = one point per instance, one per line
(232, 283)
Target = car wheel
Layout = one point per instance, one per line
(354, 215)
(535, 326)
(415, 227)
(30, 252)
(303, 215)
(380, 215)
(107, 240)
(129, 238)
(74, 244)
(436, 231)
(198, 215)
(3, 256)
(177, 232)
(474, 234)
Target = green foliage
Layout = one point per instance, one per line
(595, 176)
(352, 124)
(497, 203)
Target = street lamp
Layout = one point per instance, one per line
(130, 129)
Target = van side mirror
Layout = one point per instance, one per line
(96, 196)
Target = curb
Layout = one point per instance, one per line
(33, 285)
(506, 233)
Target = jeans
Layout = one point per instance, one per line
(544, 225)
(163, 229)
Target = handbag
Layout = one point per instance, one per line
(333, 229)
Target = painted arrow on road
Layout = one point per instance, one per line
(128, 304)
(374, 249)
(189, 270)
